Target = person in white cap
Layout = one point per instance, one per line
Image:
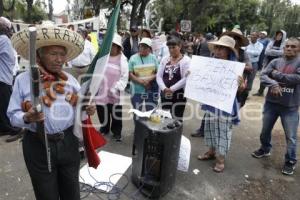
(108, 99)
(218, 124)
(264, 40)
(142, 72)
(253, 50)
(7, 63)
(55, 46)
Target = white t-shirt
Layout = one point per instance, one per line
(86, 57)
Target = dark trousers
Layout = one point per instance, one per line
(200, 130)
(242, 97)
(110, 117)
(175, 103)
(261, 89)
(5, 126)
(290, 122)
(63, 182)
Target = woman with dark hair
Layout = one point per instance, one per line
(218, 124)
(171, 78)
(146, 33)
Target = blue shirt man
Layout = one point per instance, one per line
(7, 62)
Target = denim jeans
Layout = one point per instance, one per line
(148, 99)
(289, 120)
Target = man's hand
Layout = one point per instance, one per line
(90, 109)
(276, 91)
(273, 72)
(33, 116)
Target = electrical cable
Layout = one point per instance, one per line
(115, 191)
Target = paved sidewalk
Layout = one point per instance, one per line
(244, 177)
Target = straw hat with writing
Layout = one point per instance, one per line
(237, 34)
(49, 36)
(225, 41)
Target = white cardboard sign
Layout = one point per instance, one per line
(213, 82)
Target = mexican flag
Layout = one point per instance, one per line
(84, 128)
(98, 66)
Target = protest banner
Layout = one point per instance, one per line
(213, 82)
(95, 23)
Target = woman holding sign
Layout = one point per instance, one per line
(218, 124)
(171, 78)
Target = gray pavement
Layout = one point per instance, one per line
(244, 177)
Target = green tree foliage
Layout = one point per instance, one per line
(28, 13)
(210, 15)
(137, 11)
(6, 6)
(280, 14)
(214, 15)
(292, 21)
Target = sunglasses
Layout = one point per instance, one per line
(133, 31)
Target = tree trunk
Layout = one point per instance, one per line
(142, 11)
(50, 15)
(96, 7)
(1, 7)
(29, 10)
(137, 12)
(133, 20)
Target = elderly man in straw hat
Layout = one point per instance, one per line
(7, 62)
(55, 46)
(218, 124)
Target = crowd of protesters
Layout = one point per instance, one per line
(153, 68)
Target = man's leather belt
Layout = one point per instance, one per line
(54, 137)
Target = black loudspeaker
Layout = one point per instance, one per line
(155, 156)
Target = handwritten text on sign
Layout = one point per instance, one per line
(213, 82)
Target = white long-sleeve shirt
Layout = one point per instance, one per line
(184, 66)
(86, 57)
(254, 51)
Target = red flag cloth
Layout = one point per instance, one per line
(92, 141)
